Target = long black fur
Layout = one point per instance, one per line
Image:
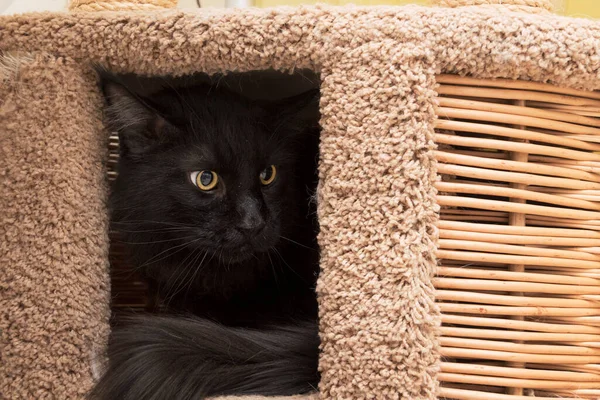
(159, 358)
(243, 294)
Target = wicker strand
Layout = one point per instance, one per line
(464, 394)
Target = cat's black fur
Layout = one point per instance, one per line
(241, 260)
(164, 358)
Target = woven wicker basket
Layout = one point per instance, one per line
(519, 249)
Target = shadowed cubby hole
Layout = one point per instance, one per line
(130, 292)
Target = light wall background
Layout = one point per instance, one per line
(577, 8)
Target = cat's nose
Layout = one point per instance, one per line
(251, 223)
(251, 220)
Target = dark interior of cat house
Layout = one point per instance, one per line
(131, 290)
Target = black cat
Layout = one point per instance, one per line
(213, 199)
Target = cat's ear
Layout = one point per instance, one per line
(298, 111)
(139, 125)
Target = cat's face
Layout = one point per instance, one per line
(207, 171)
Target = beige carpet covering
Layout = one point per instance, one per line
(379, 322)
(54, 293)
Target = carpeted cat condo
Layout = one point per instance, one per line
(459, 195)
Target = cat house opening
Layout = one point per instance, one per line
(132, 290)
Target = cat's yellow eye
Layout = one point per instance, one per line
(205, 180)
(267, 175)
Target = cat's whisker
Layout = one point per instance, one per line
(299, 244)
(163, 230)
(158, 241)
(286, 264)
(198, 269)
(182, 284)
(178, 247)
(273, 269)
(145, 221)
(183, 267)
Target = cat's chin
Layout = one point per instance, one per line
(235, 255)
(242, 252)
(236, 258)
(238, 254)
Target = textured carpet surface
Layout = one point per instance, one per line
(53, 228)
(379, 322)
